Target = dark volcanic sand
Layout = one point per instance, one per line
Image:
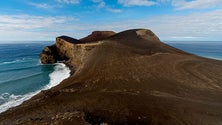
(132, 78)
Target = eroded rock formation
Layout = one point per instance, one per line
(72, 51)
(49, 55)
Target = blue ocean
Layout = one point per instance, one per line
(22, 75)
(202, 48)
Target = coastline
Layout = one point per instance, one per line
(60, 69)
(132, 78)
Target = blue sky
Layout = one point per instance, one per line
(171, 20)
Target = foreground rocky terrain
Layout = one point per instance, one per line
(127, 78)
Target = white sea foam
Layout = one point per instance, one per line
(60, 73)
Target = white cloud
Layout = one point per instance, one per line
(51, 6)
(101, 3)
(68, 1)
(195, 26)
(136, 2)
(195, 4)
(163, 1)
(41, 5)
(178, 4)
(28, 27)
(113, 10)
(26, 22)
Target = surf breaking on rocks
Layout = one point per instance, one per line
(8, 100)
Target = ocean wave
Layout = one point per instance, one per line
(7, 100)
(22, 78)
(6, 97)
(61, 72)
(19, 69)
(15, 61)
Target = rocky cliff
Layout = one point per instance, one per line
(72, 51)
(131, 78)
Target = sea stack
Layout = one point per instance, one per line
(129, 78)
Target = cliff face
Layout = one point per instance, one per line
(49, 55)
(80, 51)
(64, 49)
(130, 78)
(70, 50)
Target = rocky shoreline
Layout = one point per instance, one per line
(125, 78)
(71, 51)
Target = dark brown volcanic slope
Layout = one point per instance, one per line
(69, 39)
(132, 78)
(97, 36)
